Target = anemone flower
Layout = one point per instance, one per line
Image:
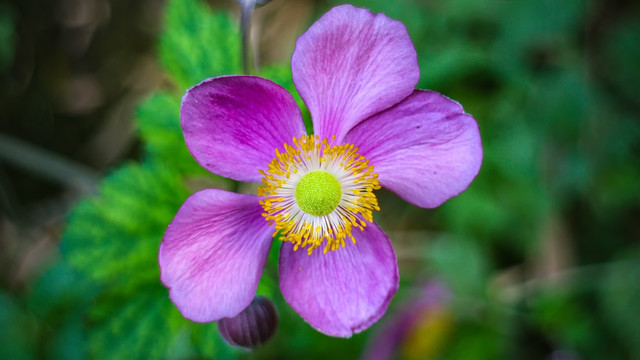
(356, 72)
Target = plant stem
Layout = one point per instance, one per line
(245, 29)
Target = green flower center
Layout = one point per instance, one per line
(318, 193)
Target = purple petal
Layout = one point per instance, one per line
(350, 65)
(342, 292)
(425, 149)
(213, 253)
(233, 124)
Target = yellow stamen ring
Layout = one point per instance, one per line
(315, 192)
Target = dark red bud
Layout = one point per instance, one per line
(253, 327)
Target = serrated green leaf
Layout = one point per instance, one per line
(138, 329)
(113, 238)
(197, 44)
(149, 326)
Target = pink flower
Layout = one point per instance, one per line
(356, 71)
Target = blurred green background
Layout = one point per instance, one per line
(540, 255)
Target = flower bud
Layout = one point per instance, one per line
(254, 326)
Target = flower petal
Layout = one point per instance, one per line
(350, 65)
(233, 124)
(342, 292)
(213, 253)
(425, 149)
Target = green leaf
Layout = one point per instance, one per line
(137, 328)
(60, 298)
(113, 238)
(197, 44)
(147, 325)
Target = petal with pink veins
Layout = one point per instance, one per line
(213, 254)
(233, 124)
(425, 149)
(351, 64)
(342, 292)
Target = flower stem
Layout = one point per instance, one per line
(245, 29)
(248, 61)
